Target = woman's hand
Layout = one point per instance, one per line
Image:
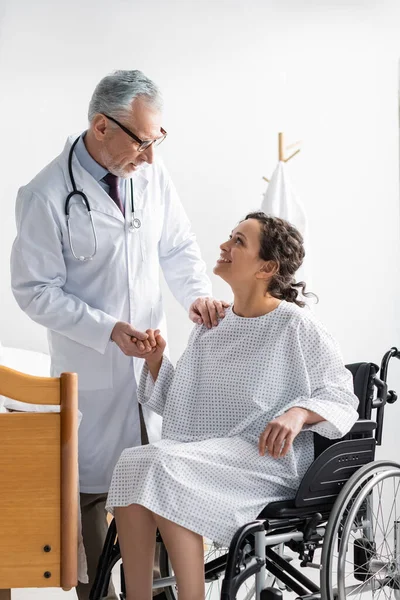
(157, 344)
(277, 438)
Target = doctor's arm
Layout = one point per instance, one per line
(38, 274)
(182, 265)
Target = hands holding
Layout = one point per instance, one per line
(157, 344)
(154, 357)
(148, 345)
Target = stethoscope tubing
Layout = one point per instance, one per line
(135, 222)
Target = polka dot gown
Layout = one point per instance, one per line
(205, 473)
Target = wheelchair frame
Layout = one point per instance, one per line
(300, 523)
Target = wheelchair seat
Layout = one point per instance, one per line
(287, 509)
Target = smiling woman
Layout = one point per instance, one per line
(236, 429)
(262, 253)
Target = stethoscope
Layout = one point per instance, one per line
(135, 222)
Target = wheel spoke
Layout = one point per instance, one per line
(367, 549)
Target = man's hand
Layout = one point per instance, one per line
(123, 335)
(205, 311)
(281, 432)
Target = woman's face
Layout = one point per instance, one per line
(240, 261)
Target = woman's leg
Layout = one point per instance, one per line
(136, 529)
(186, 552)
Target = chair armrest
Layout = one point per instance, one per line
(362, 426)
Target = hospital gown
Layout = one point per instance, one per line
(205, 473)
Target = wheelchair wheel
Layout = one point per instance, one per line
(213, 581)
(361, 548)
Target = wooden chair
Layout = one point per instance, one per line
(38, 484)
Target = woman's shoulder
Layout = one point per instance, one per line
(303, 320)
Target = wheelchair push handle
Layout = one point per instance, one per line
(384, 395)
(392, 353)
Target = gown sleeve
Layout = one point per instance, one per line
(330, 383)
(154, 394)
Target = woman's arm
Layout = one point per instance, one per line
(154, 385)
(154, 368)
(158, 373)
(277, 438)
(330, 407)
(310, 417)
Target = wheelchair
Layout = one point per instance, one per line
(344, 523)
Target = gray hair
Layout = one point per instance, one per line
(114, 94)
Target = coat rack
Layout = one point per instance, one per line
(282, 150)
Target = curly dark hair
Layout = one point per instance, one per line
(282, 243)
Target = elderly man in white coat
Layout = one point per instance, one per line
(86, 266)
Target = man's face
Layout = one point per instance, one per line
(119, 152)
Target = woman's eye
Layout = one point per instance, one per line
(238, 240)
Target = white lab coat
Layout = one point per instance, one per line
(80, 302)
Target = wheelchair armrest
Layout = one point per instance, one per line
(362, 426)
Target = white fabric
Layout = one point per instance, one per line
(280, 200)
(80, 302)
(206, 473)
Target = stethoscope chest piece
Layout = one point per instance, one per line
(135, 224)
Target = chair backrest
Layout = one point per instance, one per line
(39, 483)
(363, 381)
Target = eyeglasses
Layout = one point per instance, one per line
(143, 144)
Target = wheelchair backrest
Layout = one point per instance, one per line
(363, 381)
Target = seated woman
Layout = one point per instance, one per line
(239, 411)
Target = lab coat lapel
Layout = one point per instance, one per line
(98, 198)
(140, 183)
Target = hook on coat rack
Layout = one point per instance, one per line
(282, 150)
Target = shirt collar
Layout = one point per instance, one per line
(87, 161)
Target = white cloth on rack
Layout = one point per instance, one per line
(280, 200)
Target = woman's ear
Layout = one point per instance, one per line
(268, 270)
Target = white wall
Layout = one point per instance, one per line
(233, 73)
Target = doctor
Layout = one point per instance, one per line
(86, 266)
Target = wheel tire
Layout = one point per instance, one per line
(339, 520)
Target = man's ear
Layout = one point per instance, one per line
(99, 126)
(268, 270)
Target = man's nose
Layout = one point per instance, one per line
(149, 154)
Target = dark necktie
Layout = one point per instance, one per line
(112, 182)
